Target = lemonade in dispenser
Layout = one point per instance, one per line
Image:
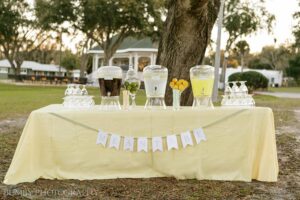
(202, 79)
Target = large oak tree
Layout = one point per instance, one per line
(185, 36)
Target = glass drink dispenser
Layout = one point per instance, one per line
(202, 79)
(155, 79)
(110, 80)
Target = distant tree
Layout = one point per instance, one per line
(19, 34)
(296, 28)
(245, 17)
(255, 63)
(107, 22)
(82, 51)
(277, 58)
(232, 62)
(70, 61)
(294, 69)
(242, 49)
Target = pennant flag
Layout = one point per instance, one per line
(142, 144)
(128, 143)
(172, 142)
(157, 144)
(114, 141)
(102, 138)
(186, 139)
(199, 135)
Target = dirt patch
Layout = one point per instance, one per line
(9, 124)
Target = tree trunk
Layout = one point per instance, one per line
(83, 63)
(16, 67)
(18, 74)
(242, 63)
(107, 57)
(185, 36)
(19, 61)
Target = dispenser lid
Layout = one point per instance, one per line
(131, 73)
(155, 68)
(109, 72)
(202, 71)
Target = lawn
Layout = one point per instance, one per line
(21, 100)
(16, 102)
(285, 89)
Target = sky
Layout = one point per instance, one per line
(282, 31)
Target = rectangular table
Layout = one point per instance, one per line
(59, 143)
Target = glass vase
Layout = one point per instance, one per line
(125, 99)
(176, 99)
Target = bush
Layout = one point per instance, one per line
(255, 80)
(294, 69)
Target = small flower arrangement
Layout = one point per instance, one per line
(131, 87)
(180, 84)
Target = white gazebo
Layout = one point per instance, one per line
(136, 52)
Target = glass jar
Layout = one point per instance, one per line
(155, 79)
(132, 84)
(202, 79)
(110, 80)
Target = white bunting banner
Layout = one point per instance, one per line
(199, 135)
(142, 144)
(172, 142)
(186, 139)
(102, 138)
(128, 143)
(157, 144)
(114, 141)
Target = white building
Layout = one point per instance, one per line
(136, 52)
(31, 68)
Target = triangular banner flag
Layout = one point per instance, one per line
(102, 138)
(142, 144)
(186, 139)
(128, 143)
(199, 135)
(114, 141)
(157, 144)
(172, 142)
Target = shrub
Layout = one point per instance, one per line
(255, 80)
(294, 69)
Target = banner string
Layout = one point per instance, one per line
(96, 130)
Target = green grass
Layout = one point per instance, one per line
(285, 89)
(16, 100)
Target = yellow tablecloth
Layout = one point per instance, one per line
(59, 143)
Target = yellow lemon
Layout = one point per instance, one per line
(174, 80)
(172, 84)
(186, 84)
(181, 87)
(181, 81)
